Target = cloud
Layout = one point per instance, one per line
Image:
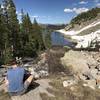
(18, 13)
(80, 10)
(41, 17)
(76, 10)
(98, 5)
(2, 6)
(67, 10)
(35, 16)
(83, 2)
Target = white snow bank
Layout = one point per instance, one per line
(85, 41)
(88, 36)
(67, 32)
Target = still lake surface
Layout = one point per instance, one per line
(58, 39)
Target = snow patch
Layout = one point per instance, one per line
(67, 32)
(85, 41)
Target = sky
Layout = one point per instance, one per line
(54, 11)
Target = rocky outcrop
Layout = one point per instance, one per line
(84, 66)
(40, 68)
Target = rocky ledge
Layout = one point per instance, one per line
(83, 65)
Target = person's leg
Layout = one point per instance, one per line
(30, 78)
(28, 81)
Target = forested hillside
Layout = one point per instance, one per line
(91, 14)
(84, 18)
(18, 39)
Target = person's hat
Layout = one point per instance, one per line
(13, 62)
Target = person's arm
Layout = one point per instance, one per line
(6, 81)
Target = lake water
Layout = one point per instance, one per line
(59, 40)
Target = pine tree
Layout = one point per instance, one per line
(28, 40)
(26, 26)
(5, 51)
(47, 37)
(38, 35)
(1, 36)
(16, 39)
(13, 26)
(9, 31)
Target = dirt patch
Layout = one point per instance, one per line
(53, 60)
(4, 96)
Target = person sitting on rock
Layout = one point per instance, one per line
(15, 80)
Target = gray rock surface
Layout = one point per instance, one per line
(84, 65)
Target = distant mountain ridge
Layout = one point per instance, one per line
(53, 26)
